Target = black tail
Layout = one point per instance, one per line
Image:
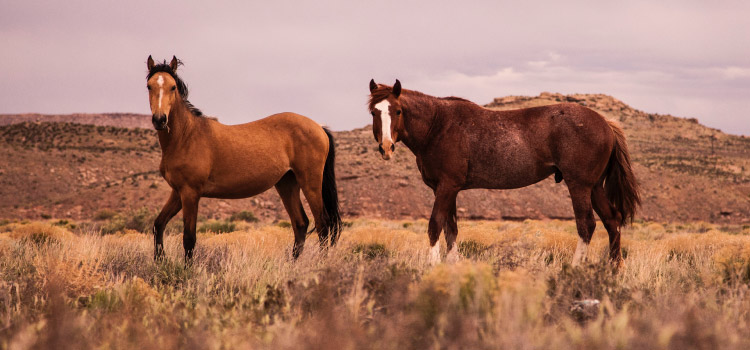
(620, 184)
(330, 193)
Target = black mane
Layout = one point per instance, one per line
(181, 86)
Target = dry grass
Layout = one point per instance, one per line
(682, 286)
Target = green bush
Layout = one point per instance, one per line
(244, 215)
(141, 220)
(39, 238)
(114, 225)
(65, 223)
(471, 248)
(371, 251)
(105, 300)
(171, 273)
(217, 226)
(735, 270)
(104, 214)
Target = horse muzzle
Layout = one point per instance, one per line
(159, 121)
(386, 152)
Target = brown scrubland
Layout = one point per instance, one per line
(77, 268)
(64, 285)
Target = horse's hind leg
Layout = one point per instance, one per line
(314, 197)
(189, 198)
(611, 219)
(170, 209)
(585, 223)
(312, 187)
(288, 190)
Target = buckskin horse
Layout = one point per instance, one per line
(460, 145)
(204, 158)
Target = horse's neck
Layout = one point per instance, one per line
(420, 115)
(179, 127)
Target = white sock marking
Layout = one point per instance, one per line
(580, 255)
(385, 119)
(435, 254)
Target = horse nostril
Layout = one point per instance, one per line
(380, 149)
(159, 121)
(393, 147)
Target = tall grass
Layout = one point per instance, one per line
(680, 287)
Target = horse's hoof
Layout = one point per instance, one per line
(617, 264)
(452, 257)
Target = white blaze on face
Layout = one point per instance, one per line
(435, 254)
(160, 81)
(580, 255)
(385, 120)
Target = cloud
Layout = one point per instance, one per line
(245, 60)
(734, 72)
(710, 94)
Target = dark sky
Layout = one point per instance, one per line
(245, 60)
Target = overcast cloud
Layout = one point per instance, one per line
(244, 61)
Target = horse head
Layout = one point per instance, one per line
(387, 116)
(163, 90)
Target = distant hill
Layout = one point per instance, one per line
(122, 120)
(689, 172)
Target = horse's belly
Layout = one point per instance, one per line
(234, 193)
(507, 177)
(240, 187)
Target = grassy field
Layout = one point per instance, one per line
(682, 286)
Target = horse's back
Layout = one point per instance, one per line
(285, 130)
(529, 144)
(281, 123)
(246, 159)
(555, 126)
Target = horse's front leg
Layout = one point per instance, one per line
(451, 232)
(170, 209)
(189, 198)
(445, 199)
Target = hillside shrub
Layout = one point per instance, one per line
(244, 215)
(140, 220)
(217, 226)
(371, 251)
(104, 214)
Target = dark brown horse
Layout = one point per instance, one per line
(204, 158)
(460, 145)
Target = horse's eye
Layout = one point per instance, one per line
(148, 87)
(398, 112)
(173, 87)
(373, 113)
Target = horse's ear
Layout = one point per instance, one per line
(150, 63)
(397, 89)
(174, 63)
(373, 86)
